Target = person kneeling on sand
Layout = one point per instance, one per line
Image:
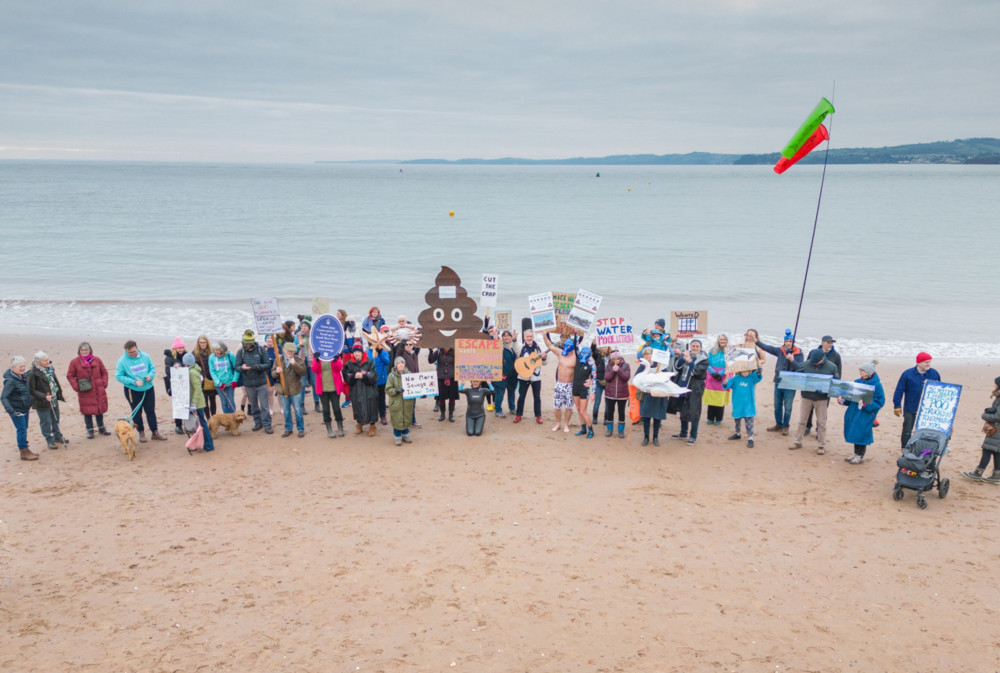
(475, 413)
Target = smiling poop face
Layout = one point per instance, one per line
(452, 314)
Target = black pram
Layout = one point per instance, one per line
(919, 466)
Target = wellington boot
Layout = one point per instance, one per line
(329, 430)
(610, 429)
(340, 428)
(621, 430)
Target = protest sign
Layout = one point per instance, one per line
(420, 384)
(938, 406)
(320, 306)
(562, 304)
(180, 392)
(614, 333)
(811, 383)
(584, 310)
(488, 294)
(327, 337)
(741, 360)
(503, 320)
(851, 391)
(687, 324)
(478, 359)
(660, 357)
(541, 307)
(266, 315)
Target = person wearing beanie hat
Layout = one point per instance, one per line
(196, 390)
(859, 417)
(909, 388)
(302, 345)
(400, 408)
(290, 368)
(991, 444)
(788, 357)
(813, 402)
(616, 392)
(252, 364)
(173, 357)
(359, 374)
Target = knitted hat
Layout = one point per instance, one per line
(383, 329)
(188, 359)
(661, 323)
(178, 344)
(615, 354)
(399, 358)
(307, 321)
(816, 357)
(869, 367)
(288, 347)
(923, 357)
(357, 346)
(789, 336)
(248, 337)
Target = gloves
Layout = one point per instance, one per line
(897, 412)
(716, 376)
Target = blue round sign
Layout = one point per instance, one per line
(327, 337)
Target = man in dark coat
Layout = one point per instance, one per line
(359, 374)
(813, 401)
(826, 345)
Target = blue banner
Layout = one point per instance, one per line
(938, 406)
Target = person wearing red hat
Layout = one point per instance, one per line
(909, 388)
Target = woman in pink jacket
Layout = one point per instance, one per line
(329, 386)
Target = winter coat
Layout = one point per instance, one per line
(599, 364)
(716, 393)
(695, 371)
(412, 360)
(197, 387)
(824, 367)
(509, 356)
(128, 370)
(445, 362)
(336, 368)
(833, 356)
(169, 360)
(858, 422)
(38, 382)
(259, 364)
(293, 371)
(654, 407)
(368, 323)
(364, 393)
(616, 382)
(95, 400)
(782, 364)
(911, 386)
(400, 410)
(222, 370)
(992, 416)
(16, 395)
(382, 363)
(744, 390)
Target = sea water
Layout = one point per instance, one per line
(902, 261)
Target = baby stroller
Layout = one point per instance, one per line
(919, 466)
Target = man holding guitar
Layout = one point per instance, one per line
(529, 374)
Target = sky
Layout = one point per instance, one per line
(254, 81)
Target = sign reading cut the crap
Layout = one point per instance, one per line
(478, 360)
(938, 406)
(502, 320)
(420, 384)
(615, 333)
(488, 293)
(266, 315)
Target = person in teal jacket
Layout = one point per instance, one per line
(744, 388)
(222, 369)
(860, 417)
(135, 371)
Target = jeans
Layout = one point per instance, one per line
(227, 396)
(598, 394)
(88, 421)
(48, 419)
(257, 397)
(656, 427)
(203, 422)
(536, 394)
(287, 404)
(694, 429)
(142, 402)
(783, 400)
(506, 388)
(399, 434)
(21, 426)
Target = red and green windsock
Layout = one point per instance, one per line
(810, 134)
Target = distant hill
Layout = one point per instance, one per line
(963, 151)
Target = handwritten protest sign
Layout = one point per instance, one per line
(811, 383)
(660, 357)
(541, 307)
(266, 315)
(478, 359)
(180, 392)
(615, 333)
(938, 406)
(562, 304)
(503, 320)
(420, 384)
(488, 294)
(320, 305)
(851, 391)
(327, 337)
(687, 324)
(741, 360)
(584, 310)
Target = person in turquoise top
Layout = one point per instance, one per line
(222, 369)
(135, 371)
(744, 389)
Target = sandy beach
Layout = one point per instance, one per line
(523, 550)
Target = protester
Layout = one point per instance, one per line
(252, 364)
(475, 413)
(272, 392)
(444, 360)
(88, 376)
(534, 381)
(224, 375)
(827, 346)
(197, 397)
(716, 395)
(599, 356)
(135, 371)
(652, 410)
(287, 333)
(329, 386)
(359, 375)
(750, 339)
(675, 365)
(382, 364)
(202, 353)
(616, 378)
(47, 394)
(562, 393)
(411, 356)
(303, 349)
(814, 401)
(506, 387)
(373, 319)
(744, 389)
(172, 359)
(400, 408)
(789, 358)
(16, 399)
(692, 371)
(859, 418)
(583, 385)
(292, 371)
(909, 388)
(991, 444)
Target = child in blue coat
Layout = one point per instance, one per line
(744, 387)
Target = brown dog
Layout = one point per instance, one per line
(126, 435)
(230, 422)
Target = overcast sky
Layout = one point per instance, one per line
(221, 80)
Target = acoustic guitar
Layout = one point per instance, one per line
(526, 366)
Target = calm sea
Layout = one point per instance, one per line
(903, 257)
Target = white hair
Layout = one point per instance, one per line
(39, 356)
(17, 360)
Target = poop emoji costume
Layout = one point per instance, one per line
(452, 314)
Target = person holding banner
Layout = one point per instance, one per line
(859, 418)
(411, 356)
(616, 378)
(652, 408)
(744, 389)
(253, 364)
(991, 445)
(814, 401)
(172, 360)
(197, 398)
(329, 386)
(583, 383)
(599, 356)
(359, 375)
(292, 370)
(444, 361)
(534, 382)
(135, 371)
(716, 394)
(692, 370)
(400, 408)
(475, 413)
(222, 372)
(909, 388)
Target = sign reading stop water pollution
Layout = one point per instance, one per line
(938, 406)
(327, 338)
(420, 384)
(488, 294)
(266, 315)
(615, 333)
(584, 310)
(478, 359)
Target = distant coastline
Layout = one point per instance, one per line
(962, 151)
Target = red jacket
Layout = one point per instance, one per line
(335, 365)
(94, 401)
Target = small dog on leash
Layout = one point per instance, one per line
(230, 422)
(125, 431)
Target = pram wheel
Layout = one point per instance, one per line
(897, 493)
(943, 488)
(921, 501)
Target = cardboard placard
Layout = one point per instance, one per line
(584, 310)
(327, 338)
(541, 306)
(562, 304)
(615, 333)
(938, 406)
(851, 391)
(180, 392)
(420, 384)
(812, 383)
(266, 315)
(320, 305)
(503, 320)
(488, 293)
(687, 324)
(741, 360)
(450, 313)
(478, 359)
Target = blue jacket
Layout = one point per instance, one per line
(782, 363)
(382, 363)
(911, 386)
(858, 422)
(129, 369)
(744, 394)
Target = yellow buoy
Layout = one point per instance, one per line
(451, 213)
(630, 189)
